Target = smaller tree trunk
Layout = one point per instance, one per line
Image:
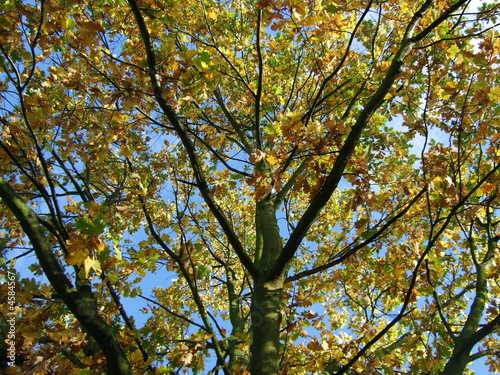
(79, 300)
(467, 338)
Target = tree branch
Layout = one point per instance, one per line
(174, 313)
(350, 251)
(188, 145)
(258, 95)
(80, 299)
(336, 173)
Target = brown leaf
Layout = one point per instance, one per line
(261, 4)
(40, 366)
(257, 156)
(92, 26)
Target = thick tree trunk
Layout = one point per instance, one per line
(456, 365)
(267, 293)
(266, 322)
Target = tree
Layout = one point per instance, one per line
(322, 177)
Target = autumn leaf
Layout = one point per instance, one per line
(92, 26)
(494, 94)
(257, 156)
(261, 4)
(91, 264)
(77, 257)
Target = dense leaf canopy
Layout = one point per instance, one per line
(312, 186)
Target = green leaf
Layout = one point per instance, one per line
(94, 227)
(368, 233)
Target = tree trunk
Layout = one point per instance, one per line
(267, 293)
(266, 322)
(456, 365)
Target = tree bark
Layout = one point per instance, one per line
(268, 289)
(266, 322)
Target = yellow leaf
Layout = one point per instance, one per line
(494, 94)
(189, 54)
(130, 102)
(384, 65)
(91, 264)
(451, 85)
(212, 15)
(399, 271)
(126, 151)
(136, 357)
(29, 337)
(89, 361)
(453, 51)
(271, 159)
(314, 346)
(118, 252)
(77, 257)
(73, 206)
(78, 249)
